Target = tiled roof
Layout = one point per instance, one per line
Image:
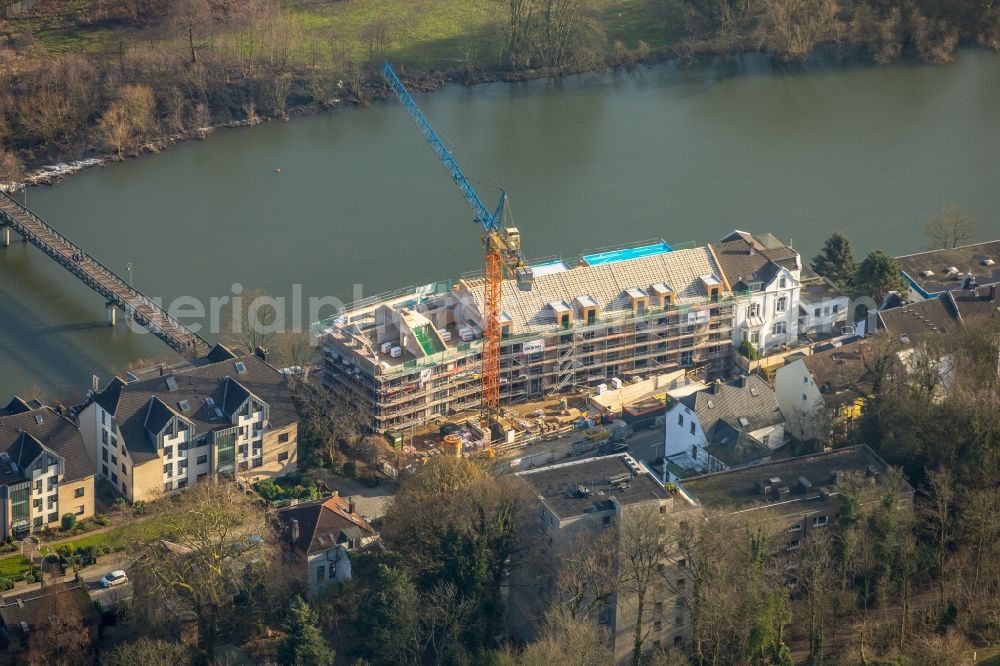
(607, 284)
(734, 447)
(742, 262)
(920, 321)
(324, 524)
(31, 607)
(841, 374)
(203, 390)
(746, 403)
(23, 435)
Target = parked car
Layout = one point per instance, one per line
(114, 578)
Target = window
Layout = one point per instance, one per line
(753, 310)
(606, 520)
(104, 416)
(755, 337)
(104, 455)
(681, 564)
(124, 488)
(114, 459)
(804, 398)
(836, 309)
(243, 449)
(320, 573)
(826, 310)
(168, 452)
(243, 465)
(168, 486)
(782, 304)
(657, 626)
(679, 620)
(780, 328)
(182, 483)
(52, 500)
(694, 451)
(283, 456)
(692, 427)
(79, 492)
(104, 469)
(37, 503)
(333, 572)
(680, 419)
(38, 521)
(663, 509)
(124, 470)
(797, 527)
(793, 544)
(258, 462)
(182, 464)
(124, 452)
(782, 282)
(658, 606)
(168, 469)
(282, 438)
(817, 312)
(104, 436)
(79, 510)
(819, 521)
(114, 478)
(202, 459)
(53, 517)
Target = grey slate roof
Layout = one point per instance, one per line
(734, 447)
(23, 437)
(205, 388)
(920, 321)
(749, 399)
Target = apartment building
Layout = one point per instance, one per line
(629, 313)
(578, 501)
(934, 273)
(45, 472)
(223, 415)
(769, 274)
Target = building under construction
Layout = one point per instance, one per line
(605, 318)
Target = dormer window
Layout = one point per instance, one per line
(663, 295)
(713, 287)
(639, 300)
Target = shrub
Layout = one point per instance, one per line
(748, 350)
(68, 522)
(6, 583)
(269, 490)
(103, 521)
(351, 469)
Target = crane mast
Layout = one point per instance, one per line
(501, 253)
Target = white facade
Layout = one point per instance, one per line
(799, 400)
(768, 316)
(328, 566)
(686, 444)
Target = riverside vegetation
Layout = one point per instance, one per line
(120, 76)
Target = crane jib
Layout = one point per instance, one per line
(483, 215)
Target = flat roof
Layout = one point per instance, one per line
(736, 490)
(967, 259)
(623, 254)
(587, 486)
(548, 268)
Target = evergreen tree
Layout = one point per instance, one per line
(879, 274)
(836, 261)
(304, 645)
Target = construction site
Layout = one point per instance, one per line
(608, 318)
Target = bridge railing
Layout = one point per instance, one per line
(131, 296)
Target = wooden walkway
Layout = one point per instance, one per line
(100, 278)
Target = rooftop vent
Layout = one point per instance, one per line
(988, 262)
(804, 484)
(927, 273)
(783, 492)
(952, 270)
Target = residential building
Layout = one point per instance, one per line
(801, 494)
(768, 274)
(730, 424)
(21, 613)
(320, 537)
(578, 501)
(931, 274)
(826, 390)
(223, 415)
(45, 472)
(633, 312)
(823, 308)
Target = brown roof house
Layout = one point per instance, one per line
(23, 613)
(45, 471)
(320, 536)
(223, 415)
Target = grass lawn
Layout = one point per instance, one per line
(419, 33)
(13, 567)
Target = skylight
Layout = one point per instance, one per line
(240, 367)
(38, 419)
(171, 383)
(754, 392)
(218, 413)
(744, 421)
(210, 401)
(184, 405)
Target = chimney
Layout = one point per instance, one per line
(350, 505)
(295, 530)
(163, 371)
(743, 381)
(260, 353)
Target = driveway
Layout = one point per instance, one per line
(371, 502)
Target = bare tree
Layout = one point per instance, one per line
(126, 123)
(588, 573)
(11, 168)
(792, 28)
(950, 229)
(58, 636)
(190, 19)
(219, 543)
(250, 321)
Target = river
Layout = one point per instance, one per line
(685, 154)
